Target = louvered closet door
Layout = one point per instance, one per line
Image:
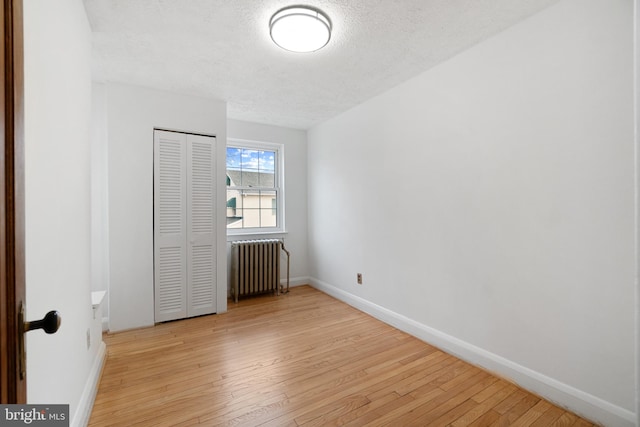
(201, 252)
(170, 225)
(184, 225)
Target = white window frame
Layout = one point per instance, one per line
(279, 185)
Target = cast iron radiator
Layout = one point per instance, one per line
(255, 267)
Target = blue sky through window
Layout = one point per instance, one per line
(245, 159)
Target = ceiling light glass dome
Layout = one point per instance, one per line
(300, 28)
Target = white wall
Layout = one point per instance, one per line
(295, 151)
(132, 114)
(61, 369)
(489, 204)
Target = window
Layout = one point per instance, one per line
(254, 187)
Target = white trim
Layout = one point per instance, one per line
(584, 404)
(247, 232)
(252, 143)
(85, 405)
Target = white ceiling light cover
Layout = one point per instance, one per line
(300, 29)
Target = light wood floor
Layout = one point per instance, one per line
(300, 359)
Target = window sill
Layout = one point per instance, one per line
(244, 235)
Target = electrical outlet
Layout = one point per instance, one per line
(359, 278)
(88, 338)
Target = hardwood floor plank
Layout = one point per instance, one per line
(453, 414)
(522, 406)
(506, 405)
(414, 375)
(364, 415)
(320, 416)
(566, 419)
(487, 404)
(532, 414)
(490, 391)
(548, 417)
(302, 358)
(486, 420)
(454, 397)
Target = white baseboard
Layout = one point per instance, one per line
(85, 405)
(105, 324)
(577, 401)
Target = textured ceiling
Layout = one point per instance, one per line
(221, 49)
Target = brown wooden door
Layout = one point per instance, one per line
(12, 276)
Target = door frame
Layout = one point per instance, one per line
(12, 256)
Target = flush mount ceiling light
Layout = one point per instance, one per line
(300, 28)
